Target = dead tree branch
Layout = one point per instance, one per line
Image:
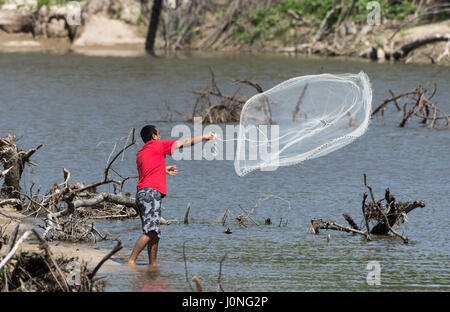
(417, 104)
(186, 215)
(390, 215)
(318, 224)
(105, 258)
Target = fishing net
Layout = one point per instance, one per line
(302, 118)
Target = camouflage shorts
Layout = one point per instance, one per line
(148, 201)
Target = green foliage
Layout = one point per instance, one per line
(140, 19)
(270, 22)
(60, 2)
(220, 12)
(176, 25)
(378, 41)
(48, 3)
(393, 10)
(399, 10)
(201, 18)
(41, 3)
(315, 9)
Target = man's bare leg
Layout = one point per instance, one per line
(140, 245)
(152, 247)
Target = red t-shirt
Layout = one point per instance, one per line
(151, 164)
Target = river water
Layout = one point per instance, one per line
(79, 105)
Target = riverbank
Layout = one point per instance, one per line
(119, 27)
(10, 217)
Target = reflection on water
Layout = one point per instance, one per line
(71, 103)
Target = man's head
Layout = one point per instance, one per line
(149, 132)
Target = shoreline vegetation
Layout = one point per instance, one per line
(416, 31)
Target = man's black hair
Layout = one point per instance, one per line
(147, 133)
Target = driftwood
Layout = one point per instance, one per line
(386, 213)
(25, 271)
(4, 172)
(10, 201)
(317, 224)
(350, 221)
(243, 219)
(417, 103)
(213, 106)
(219, 278)
(380, 215)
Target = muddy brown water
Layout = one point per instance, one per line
(78, 105)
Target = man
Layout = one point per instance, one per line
(151, 188)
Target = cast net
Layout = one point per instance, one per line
(302, 118)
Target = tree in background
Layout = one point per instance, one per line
(153, 26)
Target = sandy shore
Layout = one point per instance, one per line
(100, 36)
(9, 217)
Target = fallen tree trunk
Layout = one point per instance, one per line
(112, 198)
(103, 197)
(10, 201)
(406, 48)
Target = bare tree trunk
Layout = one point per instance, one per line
(395, 212)
(13, 161)
(153, 27)
(10, 158)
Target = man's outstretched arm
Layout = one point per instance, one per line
(194, 140)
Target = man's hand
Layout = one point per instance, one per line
(208, 136)
(171, 170)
